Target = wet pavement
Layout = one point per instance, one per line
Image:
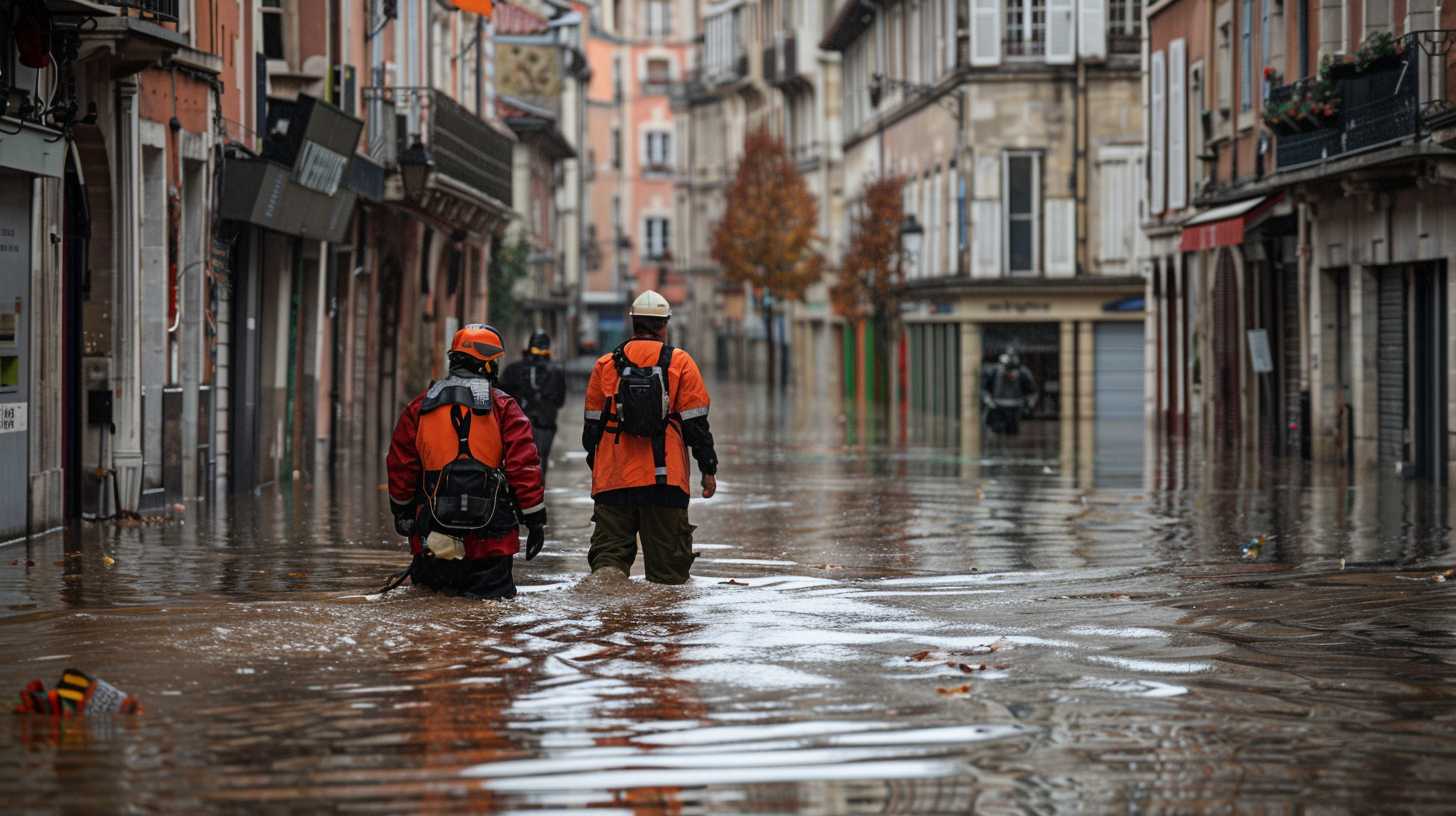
(874, 628)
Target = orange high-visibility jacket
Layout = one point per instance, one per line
(625, 461)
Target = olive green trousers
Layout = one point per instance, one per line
(667, 541)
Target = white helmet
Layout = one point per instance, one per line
(651, 304)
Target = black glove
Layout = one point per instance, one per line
(414, 521)
(535, 532)
(535, 540)
(404, 525)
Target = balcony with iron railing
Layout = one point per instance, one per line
(1395, 92)
(463, 146)
(157, 11)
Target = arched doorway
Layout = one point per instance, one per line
(89, 269)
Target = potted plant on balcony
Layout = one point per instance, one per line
(1310, 104)
(1381, 51)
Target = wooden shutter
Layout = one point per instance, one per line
(1158, 133)
(1061, 42)
(986, 238)
(986, 32)
(1059, 235)
(1177, 125)
(1092, 29)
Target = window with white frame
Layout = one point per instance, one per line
(659, 18)
(1025, 28)
(1021, 201)
(1124, 26)
(657, 151)
(272, 11)
(655, 232)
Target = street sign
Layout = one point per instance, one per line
(1259, 353)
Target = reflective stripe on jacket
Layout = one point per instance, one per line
(625, 461)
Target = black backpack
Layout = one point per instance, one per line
(640, 406)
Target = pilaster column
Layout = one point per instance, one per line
(126, 318)
(971, 393)
(1364, 334)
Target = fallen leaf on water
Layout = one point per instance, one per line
(966, 668)
(954, 691)
(107, 560)
(732, 582)
(1001, 666)
(919, 656)
(297, 575)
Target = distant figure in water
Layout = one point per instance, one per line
(646, 407)
(540, 388)
(464, 474)
(1008, 390)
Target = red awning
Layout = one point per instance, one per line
(1224, 226)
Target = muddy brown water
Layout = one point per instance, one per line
(873, 628)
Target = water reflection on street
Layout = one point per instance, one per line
(905, 627)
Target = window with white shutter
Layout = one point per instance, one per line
(1061, 47)
(986, 238)
(1158, 131)
(1092, 29)
(1061, 238)
(1118, 169)
(933, 189)
(1177, 125)
(986, 32)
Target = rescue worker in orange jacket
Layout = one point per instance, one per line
(646, 407)
(464, 474)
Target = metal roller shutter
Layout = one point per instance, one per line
(1118, 407)
(1391, 366)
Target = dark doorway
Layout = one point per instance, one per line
(389, 295)
(77, 229)
(1429, 362)
(1226, 362)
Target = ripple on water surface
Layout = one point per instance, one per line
(870, 628)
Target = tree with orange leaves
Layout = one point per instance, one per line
(869, 274)
(766, 237)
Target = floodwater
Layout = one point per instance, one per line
(873, 628)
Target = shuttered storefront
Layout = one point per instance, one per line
(1391, 365)
(1118, 408)
(935, 369)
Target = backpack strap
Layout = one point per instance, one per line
(659, 441)
(461, 420)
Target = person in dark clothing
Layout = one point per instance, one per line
(540, 388)
(1008, 390)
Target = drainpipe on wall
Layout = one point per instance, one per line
(1079, 164)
